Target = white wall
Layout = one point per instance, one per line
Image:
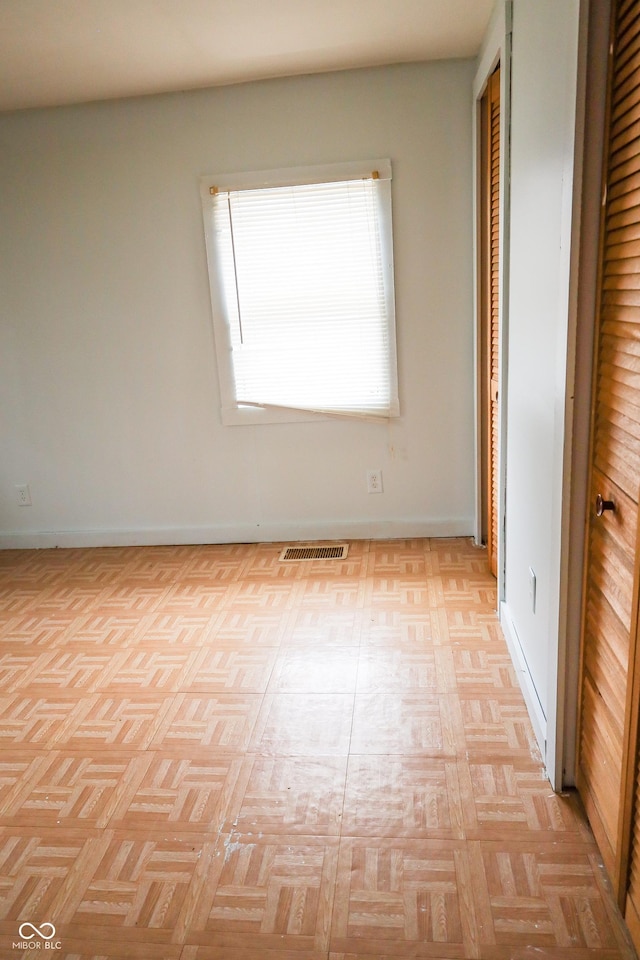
(543, 116)
(110, 406)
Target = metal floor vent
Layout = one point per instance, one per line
(327, 552)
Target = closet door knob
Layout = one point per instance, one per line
(602, 505)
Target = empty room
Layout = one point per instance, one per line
(320, 433)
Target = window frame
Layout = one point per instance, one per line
(231, 412)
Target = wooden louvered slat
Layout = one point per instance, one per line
(626, 109)
(612, 458)
(622, 285)
(602, 733)
(616, 400)
(626, 32)
(621, 190)
(620, 373)
(623, 157)
(623, 197)
(622, 263)
(614, 313)
(621, 295)
(626, 70)
(626, 40)
(625, 7)
(626, 86)
(625, 74)
(625, 235)
(627, 140)
(619, 252)
(605, 663)
(599, 795)
(619, 170)
(625, 217)
(626, 116)
(613, 582)
(626, 429)
(617, 350)
(622, 528)
(605, 666)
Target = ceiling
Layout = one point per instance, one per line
(55, 52)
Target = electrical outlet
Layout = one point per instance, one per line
(374, 481)
(23, 494)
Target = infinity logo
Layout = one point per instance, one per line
(37, 931)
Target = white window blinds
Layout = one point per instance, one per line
(304, 282)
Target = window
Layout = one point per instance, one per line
(301, 272)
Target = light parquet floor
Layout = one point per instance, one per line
(211, 755)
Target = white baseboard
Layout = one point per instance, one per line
(240, 533)
(536, 713)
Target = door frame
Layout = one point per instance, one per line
(496, 50)
(593, 59)
(599, 52)
(583, 209)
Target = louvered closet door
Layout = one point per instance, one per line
(494, 329)
(609, 624)
(490, 294)
(623, 281)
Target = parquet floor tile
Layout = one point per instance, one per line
(188, 596)
(217, 563)
(132, 597)
(150, 670)
(407, 892)
(332, 592)
(309, 670)
(395, 796)
(231, 671)
(326, 629)
(208, 754)
(397, 627)
(403, 723)
(136, 882)
(203, 721)
(109, 721)
(75, 671)
(494, 725)
(268, 893)
(407, 591)
(108, 630)
(396, 558)
(481, 668)
(33, 630)
(256, 596)
(514, 800)
(72, 597)
(536, 895)
(39, 722)
(71, 790)
(290, 795)
(304, 724)
(178, 793)
(240, 628)
(398, 669)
